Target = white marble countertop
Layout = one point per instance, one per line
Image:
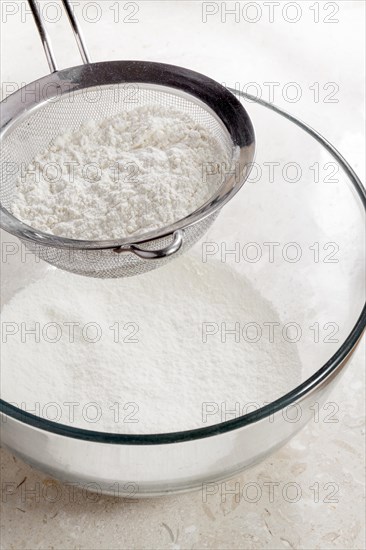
(324, 462)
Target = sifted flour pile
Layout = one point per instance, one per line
(147, 354)
(136, 172)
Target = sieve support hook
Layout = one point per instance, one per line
(172, 248)
(46, 42)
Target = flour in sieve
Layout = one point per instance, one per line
(161, 375)
(136, 172)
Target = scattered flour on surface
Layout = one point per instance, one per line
(136, 172)
(157, 373)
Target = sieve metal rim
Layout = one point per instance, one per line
(211, 95)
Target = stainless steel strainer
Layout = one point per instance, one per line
(32, 117)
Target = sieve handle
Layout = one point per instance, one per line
(77, 32)
(172, 248)
(44, 36)
(46, 40)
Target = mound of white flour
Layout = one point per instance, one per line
(181, 347)
(136, 172)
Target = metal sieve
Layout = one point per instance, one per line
(31, 119)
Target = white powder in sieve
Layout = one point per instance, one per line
(165, 368)
(136, 172)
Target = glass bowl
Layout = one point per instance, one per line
(296, 232)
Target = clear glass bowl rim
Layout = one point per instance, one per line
(329, 368)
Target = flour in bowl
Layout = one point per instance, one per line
(185, 346)
(136, 172)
